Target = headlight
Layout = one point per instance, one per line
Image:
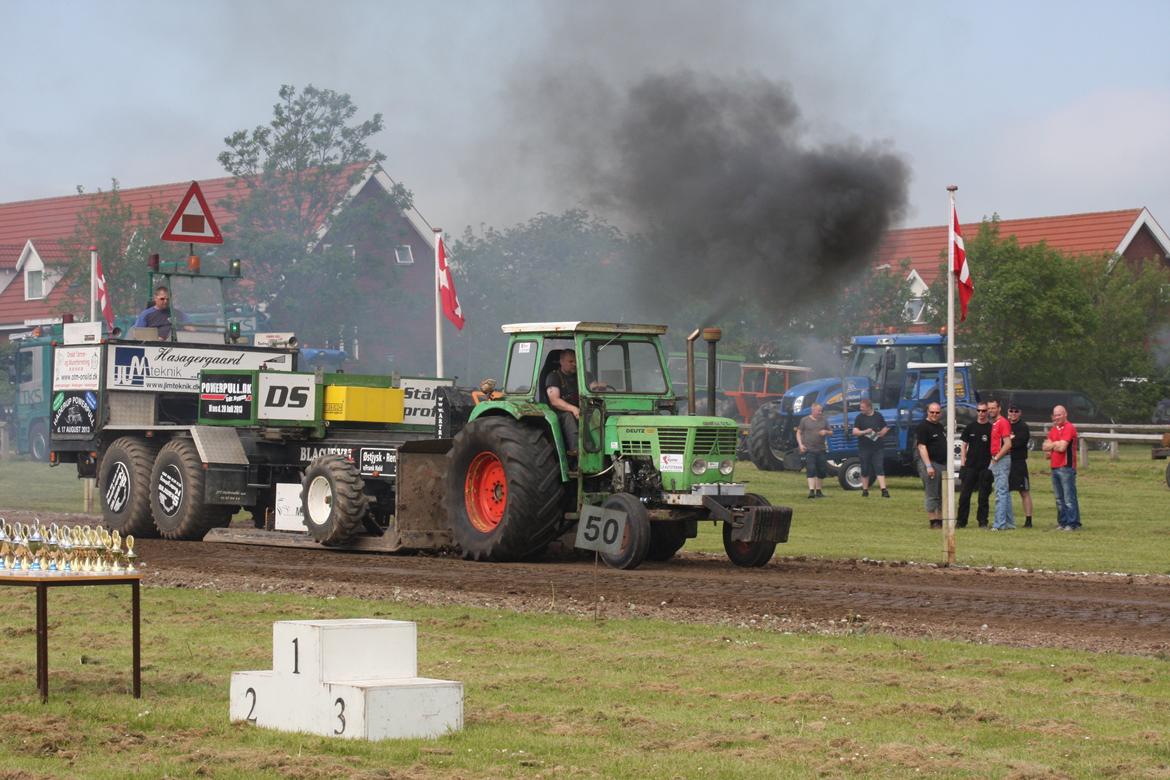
(698, 467)
(726, 467)
(798, 404)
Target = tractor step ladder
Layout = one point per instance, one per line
(355, 678)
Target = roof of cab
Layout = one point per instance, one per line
(582, 327)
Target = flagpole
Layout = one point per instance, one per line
(438, 307)
(93, 284)
(949, 471)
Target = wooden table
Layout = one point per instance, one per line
(42, 582)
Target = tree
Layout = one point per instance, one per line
(291, 174)
(125, 239)
(1043, 319)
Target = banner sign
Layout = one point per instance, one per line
(225, 397)
(77, 368)
(74, 412)
(419, 397)
(176, 369)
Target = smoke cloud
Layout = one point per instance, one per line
(717, 173)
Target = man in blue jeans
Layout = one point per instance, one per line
(1061, 446)
(1001, 467)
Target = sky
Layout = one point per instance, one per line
(1031, 109)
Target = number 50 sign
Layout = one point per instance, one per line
(601, 529)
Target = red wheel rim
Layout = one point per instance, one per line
(485, 492)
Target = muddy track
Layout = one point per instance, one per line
(1096, 612)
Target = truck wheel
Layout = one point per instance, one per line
(333, 500)
(748, 553)
(38, 441)
(636, 539)
(849, 474)
(503, 490)
(766, 453)
(666, 538)
(124, 486)
(176, 495)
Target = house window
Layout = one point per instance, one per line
(34, 285)
(915, 309)
(403, 255)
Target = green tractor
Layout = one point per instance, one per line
(512, 487)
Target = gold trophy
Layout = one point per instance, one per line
(6, 555)
(131, 556)
(116, 565)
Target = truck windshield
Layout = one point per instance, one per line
(623, 367)
(198, 301)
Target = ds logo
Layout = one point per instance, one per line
(287, 397)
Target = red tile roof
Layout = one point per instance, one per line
(1092, 233)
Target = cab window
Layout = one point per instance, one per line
(623, 367)
(521, 367)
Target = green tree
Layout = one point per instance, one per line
(290, 176)
(1043, 319)
(125, 239)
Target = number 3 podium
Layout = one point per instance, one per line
(353, 678)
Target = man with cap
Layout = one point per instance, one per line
(1018, 475)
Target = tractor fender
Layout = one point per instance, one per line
(529, 413)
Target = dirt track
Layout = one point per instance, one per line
(1097, 612)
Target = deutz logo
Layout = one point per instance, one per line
(131, 366)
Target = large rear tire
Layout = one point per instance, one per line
(333, 500)
(177, 497)
(503, 490)
(124, 487)
(636, 539)
(748, 554)
(766, 453)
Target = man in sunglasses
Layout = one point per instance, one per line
(974, 473)
(1018, 476)
(931, 453)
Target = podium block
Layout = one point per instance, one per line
(347, 678)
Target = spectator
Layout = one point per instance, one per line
(811, 436)
(975, 472)
(1018, 476)
(870, 427)
(1001, 464)
(931, 440)
(1061, 446)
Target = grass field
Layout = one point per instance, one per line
(557, 696)
(1125, 506)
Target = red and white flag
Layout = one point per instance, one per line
(103, 293)
(961, 270)
(450, 300)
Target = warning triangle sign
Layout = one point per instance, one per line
(192, 221)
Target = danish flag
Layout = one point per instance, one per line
(103, 294)
(961, 270)
(450, 300)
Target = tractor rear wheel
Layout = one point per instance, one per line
(177, 494)
(503, 490)
(636, 539)
(666, 538)
(124, 486)
(333, 500)
(748, 553)
(766, 452)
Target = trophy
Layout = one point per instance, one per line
(35, 540)
(116, 565)
(5, 565)
(65, 550)
(131, 556)
(3, 530)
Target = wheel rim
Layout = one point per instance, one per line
(485, 492)
(320, 500)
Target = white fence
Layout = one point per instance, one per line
(1112, 435)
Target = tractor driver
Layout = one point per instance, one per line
(561, 387)
(160, 315)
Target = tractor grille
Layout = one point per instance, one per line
(718, 441)
(637, 447)
(672, 441)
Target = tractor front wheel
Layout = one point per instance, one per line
(636, 539)
(666, 539)
(748, 554)
(333, 500)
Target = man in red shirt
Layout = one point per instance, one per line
(1061, 446)
(1001, 467)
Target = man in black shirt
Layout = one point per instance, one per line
(869, 427)
(563, 395)
(975, 472)
(1018, 475)
(930, 458)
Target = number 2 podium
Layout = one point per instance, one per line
(355, 678)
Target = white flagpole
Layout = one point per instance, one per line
(93, 284)
(438, 308)
(949, 471)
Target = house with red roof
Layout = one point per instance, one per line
(32, 258)
(1131, 234)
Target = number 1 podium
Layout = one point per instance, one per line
(353, 678)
